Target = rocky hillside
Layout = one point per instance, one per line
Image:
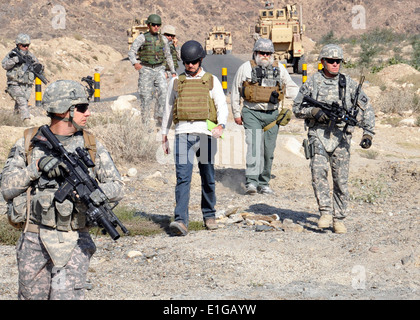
(106, 22)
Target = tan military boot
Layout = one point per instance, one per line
(325, 221)
(339, 226)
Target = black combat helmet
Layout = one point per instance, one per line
(192, 51)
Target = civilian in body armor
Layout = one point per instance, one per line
(149, 54)
(19, 78)
(262, 84)
(193, 98)
(55, 247)
(331, 145)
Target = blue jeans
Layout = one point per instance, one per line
(187, 147)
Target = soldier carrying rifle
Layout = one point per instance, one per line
(332, 105)
(22, 67)
(49, 201)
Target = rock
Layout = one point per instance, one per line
(289, 225)
(134, 253)
(409, 122)
(132, 172)
(263, 227)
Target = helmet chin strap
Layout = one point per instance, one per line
(70, 119)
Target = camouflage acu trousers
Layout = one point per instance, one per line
(39, 279)
(21, 95)
(338, 161)
(152, 82)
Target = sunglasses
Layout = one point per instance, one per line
(169, 35)
(192, 62)
(25, 45)
(331, 61)
(155, 25)
(82, 108)
(262, 53)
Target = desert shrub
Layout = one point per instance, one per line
(398, 101)
(9, 118)
(125, 137)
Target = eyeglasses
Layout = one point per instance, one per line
(155, 25)
(82, 108)
(262, 53)
(331, 61)
(192, 62)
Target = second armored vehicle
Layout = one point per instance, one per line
(219, 41)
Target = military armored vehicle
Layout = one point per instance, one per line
(218, 41)
(284, 27)
(138, 26)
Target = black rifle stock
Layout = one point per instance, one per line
(336, 113)
(77, 179)
(35, 68)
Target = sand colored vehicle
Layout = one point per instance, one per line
(284, 27)
(218, 41)
(138, 26)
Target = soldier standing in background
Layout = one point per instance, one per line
(19, 78)
(149, 54)
(170, 33)
(55, 247)
(331, 146)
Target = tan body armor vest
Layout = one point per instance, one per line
(194, 101)
(254, 92)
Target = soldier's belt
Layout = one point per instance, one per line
(152, 65)
(34, 228)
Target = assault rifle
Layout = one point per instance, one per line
(30, 64)
(337, 114)
(90, 82)
(77, 180)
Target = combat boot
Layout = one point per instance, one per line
(339, 227)
(325, 221)
(211, 224)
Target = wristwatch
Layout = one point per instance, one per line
(223, 126)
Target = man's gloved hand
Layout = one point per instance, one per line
(366, 142)
(15, 57)
(51, 166)
(319, 115)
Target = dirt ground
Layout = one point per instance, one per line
(378, 258)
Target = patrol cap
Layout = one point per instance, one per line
(154, 18)
(168, 29)
(23, 38)
(264, 45)
(331, 51)
(59, 96)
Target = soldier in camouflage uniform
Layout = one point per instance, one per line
(55, 247)
(19, 78)
(170, 33)
(265, 77)
(149, 54)
(332, 145)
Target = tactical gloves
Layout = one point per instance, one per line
(51, 166)
(319, 115)
(366, 142)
